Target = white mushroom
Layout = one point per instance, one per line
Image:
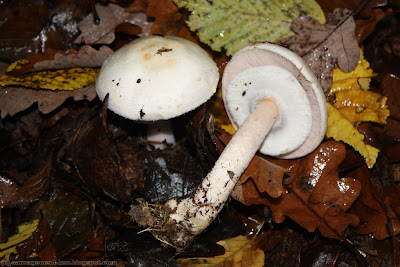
(278, 106)
(155, 79)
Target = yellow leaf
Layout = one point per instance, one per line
(17, 64)
(341, 129)
(239, 251)
(358, 106)
(358, 79)
(24, 231)
(68, 79)
(220, 117)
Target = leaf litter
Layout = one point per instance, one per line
(334, 205)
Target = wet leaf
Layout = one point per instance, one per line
(69, 221)
(361, 106)
(375, 209)
(317, 198)
(9, 193)
(233, 25)
(239, 251)
(341, 129)
(111, 16)
(358, 79)
(95, 158)
(24, 231)
(324, 45)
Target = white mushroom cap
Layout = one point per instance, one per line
(157, 78)
(270, 71)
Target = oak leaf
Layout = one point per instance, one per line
(317, 198)
(16, 99)
(111, 16)
(324, 45)
(375, 208)
(239, 251)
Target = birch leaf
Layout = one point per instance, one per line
(239, 251)
(358, 79)
(362, 106)
(233, 25)
(341, 129)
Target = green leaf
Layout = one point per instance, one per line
(234, 24)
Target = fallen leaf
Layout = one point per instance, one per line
(24, 231)
(239, 251)
(362, 106)
(374, 207)
(317, 198)
(85, 57)
(16, 99)
(111, 16)
(341, 129)
(67, 79)
(324, 45)
(358, 79)
(232, 25)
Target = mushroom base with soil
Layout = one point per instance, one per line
(278, 107)
(179, 221)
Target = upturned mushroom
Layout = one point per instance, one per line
(154, 79)
(278, 107)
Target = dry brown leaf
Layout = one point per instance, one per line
(323, 45)
(16, 99)
(86, 56)
(111, 16)
(317, 198)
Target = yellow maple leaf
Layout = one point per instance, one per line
(341, 129)
(358, 79)
(24, 231)
(239, 251)
(68, 79)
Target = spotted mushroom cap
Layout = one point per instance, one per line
(271, 71)
(157, 78)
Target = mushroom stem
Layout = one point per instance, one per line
(161, 131)
(188, 217)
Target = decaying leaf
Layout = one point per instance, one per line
(110, 16)
(16, 99)
(239, 251)
(375, 208)
(233, 25)
(324, 45)
(317, 198)
(67, 79)
(24, 231)
(341, 129)
(85, 57)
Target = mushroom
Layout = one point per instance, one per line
(154, 79)
(278, 107)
